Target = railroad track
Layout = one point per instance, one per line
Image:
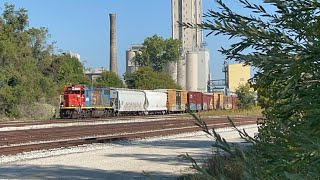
(65, 121)
(14, 142)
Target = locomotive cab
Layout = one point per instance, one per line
(74, 96)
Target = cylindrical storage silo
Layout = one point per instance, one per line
(181, 72)
(171, 68)
(130, 61)
(207, 70)
(192, 71)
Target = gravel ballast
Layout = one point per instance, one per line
(119, 160)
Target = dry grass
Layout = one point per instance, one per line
(232, 112)
(31, 112)
(217, 167)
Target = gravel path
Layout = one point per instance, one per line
(119, 160)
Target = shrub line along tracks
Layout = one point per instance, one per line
(18, 141)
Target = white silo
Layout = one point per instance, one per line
(171, 68)
(130, 64)
(192, 71)
(203, 69)
(181, 72)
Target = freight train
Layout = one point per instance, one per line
(80, 101)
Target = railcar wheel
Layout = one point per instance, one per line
(74, 115)
(110, 113)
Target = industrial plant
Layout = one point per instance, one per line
(191, 71)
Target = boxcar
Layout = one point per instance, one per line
(218, 100)
(176, 100)
(128, 101)
(234, 102)
(156, 102)
(195, 101)
(227, 102)
(230, 102)
(207, 101)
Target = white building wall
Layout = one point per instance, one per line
(73, 55)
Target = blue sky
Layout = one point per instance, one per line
(82, 26)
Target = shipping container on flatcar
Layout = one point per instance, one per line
(176, 100)
(218, 100)
(156, 102)
(194, 101)
(81, 102)
(207, 101)
(128, 101)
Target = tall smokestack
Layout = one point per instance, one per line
(113, 44)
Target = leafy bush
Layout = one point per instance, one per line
(35, 111)
(109, 79)
(29, 71)
(146, 78)
(284, 46)
(246, 99)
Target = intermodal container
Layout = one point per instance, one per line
(195, 101)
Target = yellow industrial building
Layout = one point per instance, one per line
(237, 74)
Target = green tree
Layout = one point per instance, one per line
(22, 81)
(69, 71)
(146, 78)
(109, 79)
(157, 52)
(284, 45)
(246, 99)
(30, 73)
